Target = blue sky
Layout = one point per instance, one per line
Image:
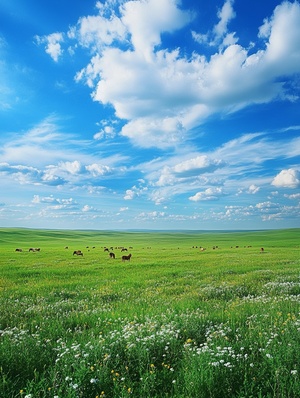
(155, 114)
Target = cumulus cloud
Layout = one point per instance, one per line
(55, 203)
(293, 196)
(97, 169)
(199, 164)
(130, 194)
(162, 94)
(71, 167)
(253, 189)
(136, 191)
(219, 34)
(289, 178)
(87, 208)
(52, 44)
(106, 132)
(46, 199)
(209, 194)
(152, 215)
(193, 167)
(147, 20)
(147, 84)
(29, 175)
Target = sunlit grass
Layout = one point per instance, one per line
(172, 322)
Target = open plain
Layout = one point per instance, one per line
(189, 314)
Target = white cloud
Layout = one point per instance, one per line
(148, 19)
(71, 167)
(130, 194)
(97, 169)
(264, 205)
(219, 35)
(253, 189)
(97, 31)
(194, 167)
(282, 31)
(152, 215)
(87, 208)
(148, 132)
(52, 44)
(37, 199)
(105, 132)
(199, 164)
(289, 178)
(225, 14)
(55, 203)
(147, 86)
(208, 194)
(293, 196)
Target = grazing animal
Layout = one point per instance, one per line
(78, 253)
(18, 250)
(112, 255)
(106, 249)
(124, 249)
(262, 249)
(32, 249)
(66, 247)
(126, 258)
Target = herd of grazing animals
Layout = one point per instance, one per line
(124, 249)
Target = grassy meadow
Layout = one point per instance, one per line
(174, 321)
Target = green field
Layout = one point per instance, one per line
(174, 321)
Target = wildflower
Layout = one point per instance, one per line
(28, 396)
(294, 372)
(269, 356)
(93, 381)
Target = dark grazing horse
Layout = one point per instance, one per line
(78, 253)
(112, 255)
(126, 258)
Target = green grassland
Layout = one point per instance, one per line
(174, 321)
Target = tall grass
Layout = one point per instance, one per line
(172, 322)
